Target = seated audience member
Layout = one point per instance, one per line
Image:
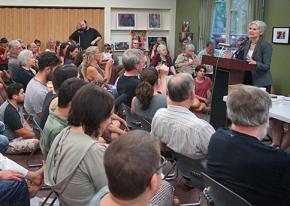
(51, 46)
(239, 160)
(280, 138)
(4, 142)
(176, 127)
(71, 54)
(34, 49)
(22, 138)
(60, 74)
(202, 90)
(148, 97)
(38, 44)
(135, 44)
(14, 48)
(133, 61)
(187, 61)
(37, 89)
(25, 73)
(90, 68)
(129, 155)
(57, 119)
(3, 54)
(74, 165)
(14, 189)
(208, 51)
(183, 43)
(62, 51)
(153, 47)
(162, 57)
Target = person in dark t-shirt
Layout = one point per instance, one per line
(239, 160)
(21, 136)
(85, 36)
(133, 61)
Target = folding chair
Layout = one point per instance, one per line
(219, 195)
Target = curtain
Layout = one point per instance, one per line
(206, 12)
(256, 10)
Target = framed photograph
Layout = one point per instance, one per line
(280, 35)
(156, 40)
(121, 46)
(154, 21)
(185, 26)
(126, 20)
(186, 35)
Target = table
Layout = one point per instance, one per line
(280, 110)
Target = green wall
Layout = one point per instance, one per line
(277, 15)
(186, 10)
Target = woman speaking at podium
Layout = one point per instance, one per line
(259, 52)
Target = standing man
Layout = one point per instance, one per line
(85, 36)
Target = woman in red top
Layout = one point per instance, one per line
(3, 54)
(202, 90)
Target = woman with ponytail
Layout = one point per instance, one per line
(149, 98)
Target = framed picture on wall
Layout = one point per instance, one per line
(154, 21)
(126, 20)
(280, 35)
(156, 40)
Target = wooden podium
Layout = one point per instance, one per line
(226, 72)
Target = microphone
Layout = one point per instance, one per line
(224, 45)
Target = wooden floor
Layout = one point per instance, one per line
(185, 194)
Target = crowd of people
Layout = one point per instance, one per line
(65, 101)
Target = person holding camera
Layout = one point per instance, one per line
(85, 36)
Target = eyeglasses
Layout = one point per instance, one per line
(162, 164)
(135, 43)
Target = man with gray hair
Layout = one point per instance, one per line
(176, 127)
(239, 160)
(187, 61)
(133, 61)
(14, 48)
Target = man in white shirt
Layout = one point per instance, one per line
(176, 127)
(13, 187)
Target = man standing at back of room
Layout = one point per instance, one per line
(85, 36)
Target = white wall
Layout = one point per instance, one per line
(107, 5)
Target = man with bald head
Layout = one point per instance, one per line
(85, 36)
(176, 127)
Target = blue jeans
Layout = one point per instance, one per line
(4, 142)
(14, 193)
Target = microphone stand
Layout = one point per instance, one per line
(79, 44)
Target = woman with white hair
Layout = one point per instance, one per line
(25, 73)
(162, 57)
(258, 52)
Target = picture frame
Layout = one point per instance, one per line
(121, 46)
(154, 20)
(153, 39)
(126, 20)
(280, 35)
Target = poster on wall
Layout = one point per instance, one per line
(156, 40)
(185, 26)
(141, 35)
(186, 35)
(126, 20)
(154, 21)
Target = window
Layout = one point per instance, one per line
(230, 21)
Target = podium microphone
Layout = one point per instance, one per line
(224, 45)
